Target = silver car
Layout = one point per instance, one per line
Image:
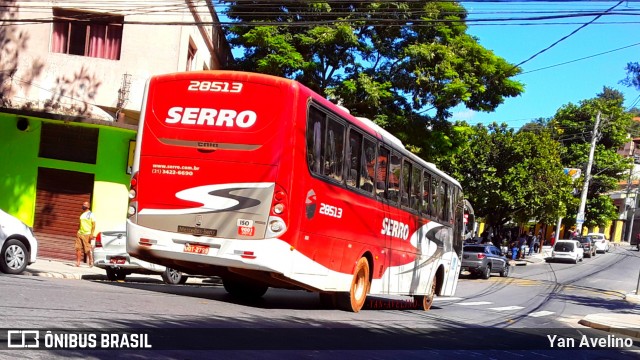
(110, 253)
(18, 245)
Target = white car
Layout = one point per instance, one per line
(110, 253)
(567, 250)
(18, 245)
(601, 242)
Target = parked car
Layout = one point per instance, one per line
(482, 260)
(18, 245)
(567, 250)
(110, 254)
(601, 241)
(588, 245)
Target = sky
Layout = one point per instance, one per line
(547, 90)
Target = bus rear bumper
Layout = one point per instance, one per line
(163, 248)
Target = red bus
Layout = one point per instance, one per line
(261, 181)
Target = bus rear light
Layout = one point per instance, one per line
(279, 202)
(247, 255)
(131, 210)
(133, 187)
(278, 208)
(147, 242)
(276, 226)
(279, 195)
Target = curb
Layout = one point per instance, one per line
(632, 298)
(55, 275)
(633, 332)
(193, 280)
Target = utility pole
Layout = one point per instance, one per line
(587, 177)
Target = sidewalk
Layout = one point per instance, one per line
(61, 269)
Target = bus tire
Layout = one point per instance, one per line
(354, 300)
(424, 302)
(244, 289)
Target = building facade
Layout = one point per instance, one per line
(72, 78)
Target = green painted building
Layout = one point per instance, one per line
(50, 164)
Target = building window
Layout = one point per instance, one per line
(191, 57)
(69, 143)
(87, 34)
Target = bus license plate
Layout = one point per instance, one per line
(196, 249)
(197, 231)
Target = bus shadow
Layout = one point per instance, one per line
(273, 299)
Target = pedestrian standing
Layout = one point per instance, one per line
(86, 232)
(514, 250)
(532, 242)
(522, 242)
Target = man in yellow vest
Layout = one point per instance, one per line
(86, 232)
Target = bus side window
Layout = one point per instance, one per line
(442, 202)
(416, 184)
(394, 178)
(406, 183)
(426, 194)
(315, 139)
(334, 151)
(435, 196)
(381, 172)
(353, 157)
(367, 166)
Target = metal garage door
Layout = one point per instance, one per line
(59, 198)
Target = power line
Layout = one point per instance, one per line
(582, 58)
(567, 36)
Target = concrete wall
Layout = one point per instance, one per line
(146, 50)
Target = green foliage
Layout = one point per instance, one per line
(573, 125)
(510, 175)
(633, 75)
(393, 62)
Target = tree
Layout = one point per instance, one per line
(572, 125)
(403, 64)
(509, 175)
(633, 75)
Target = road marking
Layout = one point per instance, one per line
(447, 298)
(541, 313)
(475, 303)
(507, 308)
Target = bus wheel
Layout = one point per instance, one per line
(355, 298)
(244, 289)
(425, 302)
(327, 300)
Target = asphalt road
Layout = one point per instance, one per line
(498, 318)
